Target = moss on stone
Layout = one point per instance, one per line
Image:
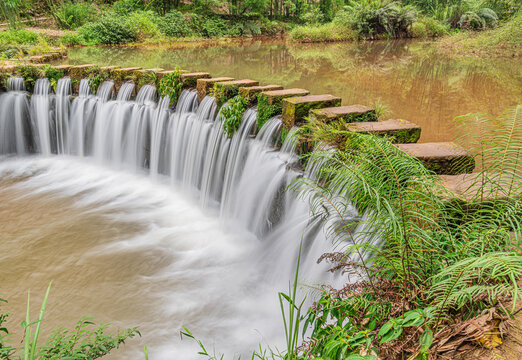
(265, 111)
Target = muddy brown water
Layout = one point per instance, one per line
(411, 79)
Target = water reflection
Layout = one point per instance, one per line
(409, 77)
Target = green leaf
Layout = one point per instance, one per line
(413, 318)
(392, 335)
(426, 340)
(385, 329)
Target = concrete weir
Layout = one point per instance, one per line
(296, 106)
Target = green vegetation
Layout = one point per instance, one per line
(19, 42)
(96, 76)
(171, 85)
(79, 343)
(265, 111)
(232, 114)
(322, 33)
(504, 40)
(406, 18)
(72, 15)
(430, 266)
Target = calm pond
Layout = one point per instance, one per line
(410, 78)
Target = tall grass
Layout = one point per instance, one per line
(10, 11)
(329, 32)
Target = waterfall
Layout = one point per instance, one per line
(242, 179)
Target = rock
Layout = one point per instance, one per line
(397, 131)
(190, 79)
(352, 113)
(250, 93)
(203, 85)
(275, 97)
(295, 109)
(444, 158)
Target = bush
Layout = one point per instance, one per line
(428, 27)
(371, 18)
(109, 29)
(18, 37)
(72, 15)
(125, 7)
(213, 27)
(505, 9)
(72, 39)
(175, 24)
(171, 85)
(320, 33)
(145, 24)
(479, 19)
(232, 114)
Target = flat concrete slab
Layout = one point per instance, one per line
(295, 109)
(397, 131)
(275, 97)
(351, 113)
(444, 158)
(204, 85)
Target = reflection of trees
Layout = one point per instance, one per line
(410, 77)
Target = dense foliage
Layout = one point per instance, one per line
(232, 114)
(123, 21)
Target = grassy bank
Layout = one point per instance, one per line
(506, 40)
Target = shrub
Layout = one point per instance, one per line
(428, 27)
(232, 114)
(371, 18)
(18, 37)
(53, 74)
(125, 7)
(479, 19)
(322, 32)
(72, 39)
(505, 9)
(145, 24)
(175, 24)
(312, 16)
(109, 29)
(72, 15)
(213, 27)
(170, 85)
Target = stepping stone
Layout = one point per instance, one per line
(119, 75)
(397, 131)
(78, 71)
(465, 187)
(275, 97)
(204, 85)
(225, 90)
(295, 109)
(444, 158)
(190, 79)
(352, 113)
(36, 59)
(109, 68)
(250, 93)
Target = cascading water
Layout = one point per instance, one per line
(242, 179)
